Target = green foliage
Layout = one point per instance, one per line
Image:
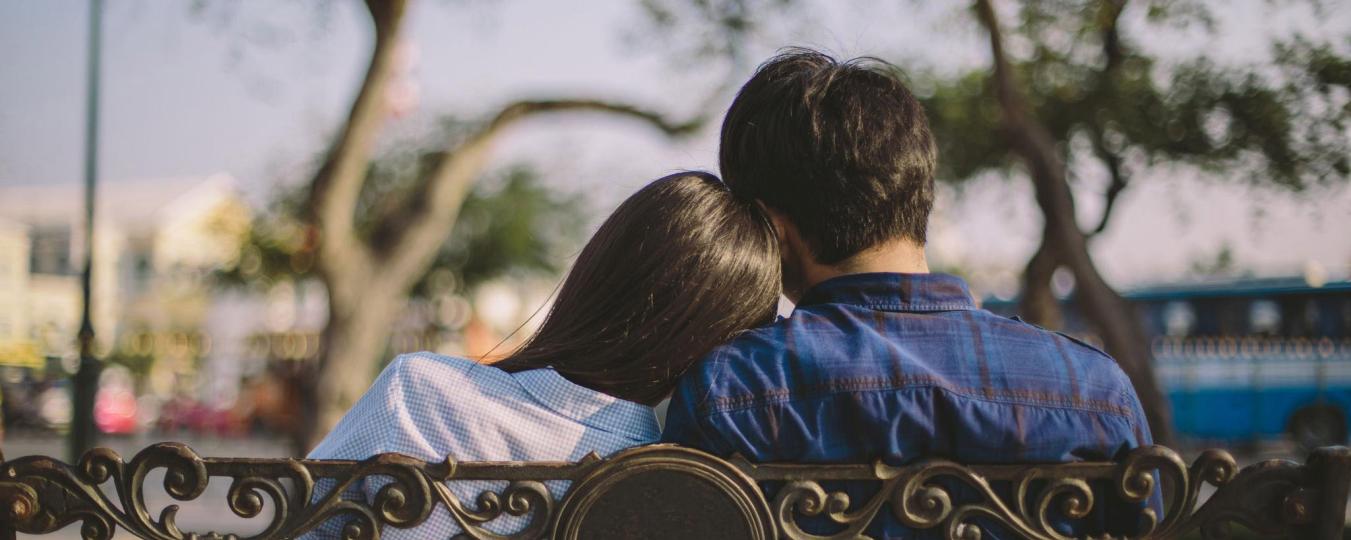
(701, 29)
(1221, 264)
(965, 118)
(1282, 123)
(509, 224)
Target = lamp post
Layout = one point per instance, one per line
(82, 431)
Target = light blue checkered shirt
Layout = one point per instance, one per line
(429, 406)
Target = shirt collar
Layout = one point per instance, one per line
(589, 407)
(893, 292)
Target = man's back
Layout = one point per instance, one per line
(902, 367)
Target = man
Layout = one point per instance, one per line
(880, 358)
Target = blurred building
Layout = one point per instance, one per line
(184, 349)
(156, 243)
(16, 344)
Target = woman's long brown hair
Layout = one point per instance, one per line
(679, 268)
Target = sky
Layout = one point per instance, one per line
(255, 89)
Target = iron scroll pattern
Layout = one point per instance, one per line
(40, 494)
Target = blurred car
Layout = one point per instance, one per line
(183, 413)
(54, 407)
(36, 405)
(115, 412)
(115, 403)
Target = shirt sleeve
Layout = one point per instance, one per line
(374, 425)
(359, 433)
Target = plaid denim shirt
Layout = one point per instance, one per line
(902, 367)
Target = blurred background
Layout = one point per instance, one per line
(286, 195)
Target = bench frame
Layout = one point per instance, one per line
(40, 494)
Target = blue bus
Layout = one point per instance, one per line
(1249, 359)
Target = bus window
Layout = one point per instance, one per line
(1178, 319)
(1264, 317)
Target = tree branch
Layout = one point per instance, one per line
(409, 241)
(336, 186)
(1109, 18)
(1118, 184)
(1115, 322)
(1027, 137)
(387, 14)
(1114, 52)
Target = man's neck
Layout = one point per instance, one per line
(900, 257)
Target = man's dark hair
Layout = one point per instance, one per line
(843, 149)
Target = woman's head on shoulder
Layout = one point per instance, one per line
(679, 268)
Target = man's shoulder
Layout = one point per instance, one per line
(1073, 344)
(752, 342)
(757, 345)
(786, 334)
(814, 352)
(740, 364)
(1063, 344)
(1085, 370)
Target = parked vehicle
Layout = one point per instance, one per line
(1250, 359)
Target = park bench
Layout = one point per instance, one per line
(665, 491)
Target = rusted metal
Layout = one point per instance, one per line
(665, 491)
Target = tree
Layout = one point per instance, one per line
(510, 224)
(1081, 98)
(369, 275)
(1219, 120)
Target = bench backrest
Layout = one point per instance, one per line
(666, 491)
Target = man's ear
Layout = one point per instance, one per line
(782, 226)
(792, 251)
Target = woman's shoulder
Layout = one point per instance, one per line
(428, 361)
(413, 406)
(430, 382)
(424, 366)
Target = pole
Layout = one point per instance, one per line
(82, 431)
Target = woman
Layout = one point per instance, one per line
(679, 268)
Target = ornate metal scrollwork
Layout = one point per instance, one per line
(44, 494)
(618, 496)
(1271, 498)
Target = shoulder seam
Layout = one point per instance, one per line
(912, 382)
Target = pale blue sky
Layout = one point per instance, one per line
(186, 96)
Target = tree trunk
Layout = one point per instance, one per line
(360, 313)
(1111, 317)
(368, 279)
(354, 341)
(1114, 319)
(1109, 314)
(1038, 304)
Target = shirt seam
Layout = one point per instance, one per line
(911, 382)
(953, 306)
